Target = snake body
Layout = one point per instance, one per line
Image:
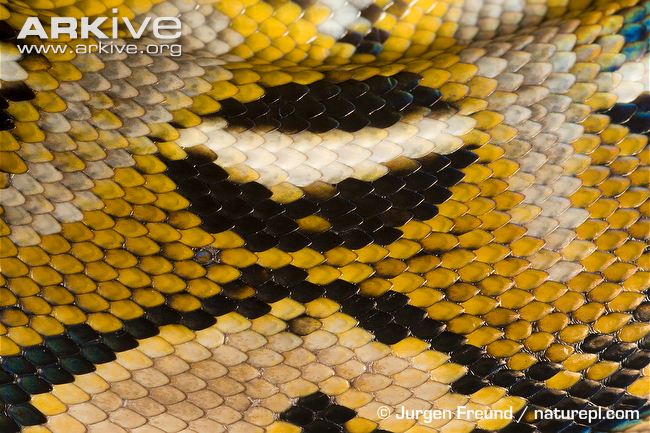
(323, 213)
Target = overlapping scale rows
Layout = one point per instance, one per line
(323, 208)
(353, 214)
(278, 160)
(247, 374)
(322, 106)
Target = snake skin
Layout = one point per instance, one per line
(323, 209)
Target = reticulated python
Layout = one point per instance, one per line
(323, 213)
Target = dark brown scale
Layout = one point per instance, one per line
(353, 88)
(353, 122)
(369, 103)
(7, 32)
(231, 108)
(323, 90)
(377, 35)
(323, 123)
(372, 13)
(338, 107)
(16, 91)
(398, 100)
(380, 84)
(384, 118)
(307, 108)
(352, 38)
(6, 120)
(293, 124)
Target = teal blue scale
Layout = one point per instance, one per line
(636, 31)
